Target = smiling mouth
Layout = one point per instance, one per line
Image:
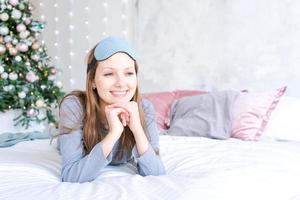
(119, 93)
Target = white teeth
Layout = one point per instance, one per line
(119, 93)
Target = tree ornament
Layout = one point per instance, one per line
(59, 84)
(21, 27)
(35, 46)
(2, 49)
(21, 6)
(4, 30)
(22, 95)
(16, 14)
(13, 2)
(31, 112)
(35, 57)
(14, 41)
(53, 70)
(11, 88)
(7, 39)
(13, 76)
(6, 88)
(31, 77)
(2, 7)
(4, 17)
(39, 103)
(1, 69)
(40, 66)
(13, 51)
(8, 45)
(43, 87)
(24, 34)
(18, 58)
(4, 75)
(46, 73)
(27, 21)
(22, 47)
(36, 26)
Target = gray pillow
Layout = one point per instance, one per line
(205, 115)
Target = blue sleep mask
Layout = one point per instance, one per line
(108, 47)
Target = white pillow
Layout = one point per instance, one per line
(284, 123)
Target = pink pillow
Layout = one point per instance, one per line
(251, 113)
(162, 102)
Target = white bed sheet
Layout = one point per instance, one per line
(197, 168)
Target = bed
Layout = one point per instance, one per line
(197, 168)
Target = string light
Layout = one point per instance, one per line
(87, 29)
(71, 53)
(105, 18)
(56, 34)
(124, 18)
(72, 82)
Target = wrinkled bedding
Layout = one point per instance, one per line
(197, 167)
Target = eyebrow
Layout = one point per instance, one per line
(114, 68)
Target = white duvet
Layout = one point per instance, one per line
(198, 168)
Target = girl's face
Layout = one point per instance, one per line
(116, 79)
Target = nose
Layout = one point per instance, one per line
(120, 80)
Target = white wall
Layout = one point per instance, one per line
(235, 44)
(195, 44)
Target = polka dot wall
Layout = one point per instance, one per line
(74, 27)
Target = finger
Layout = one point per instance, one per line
(123, 119)
(127, 117)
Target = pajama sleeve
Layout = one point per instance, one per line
(77, 167)
(150, 163)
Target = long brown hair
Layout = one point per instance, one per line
(92, 126)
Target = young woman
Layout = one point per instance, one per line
(109, 123)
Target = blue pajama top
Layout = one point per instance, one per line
(77, 167)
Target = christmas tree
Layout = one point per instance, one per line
(27, 80)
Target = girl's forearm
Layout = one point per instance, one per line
(142, 143)
(108, 143)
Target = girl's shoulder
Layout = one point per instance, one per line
(73, 102)
(71, 108)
